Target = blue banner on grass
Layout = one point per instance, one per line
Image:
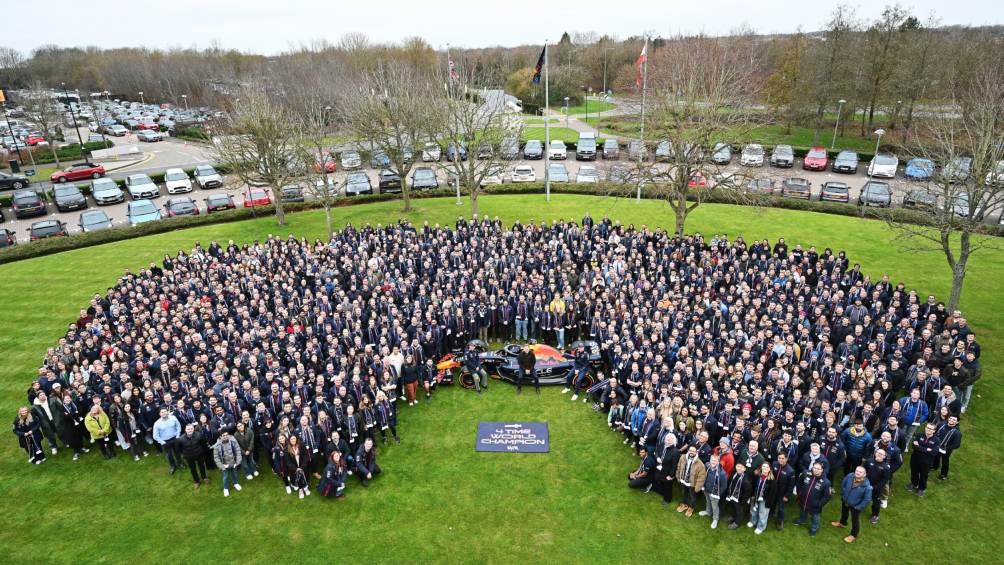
(513, 437)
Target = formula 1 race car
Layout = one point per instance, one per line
(553, 365)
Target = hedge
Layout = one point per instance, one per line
(79, 241)
(67, 152)
(192, 133)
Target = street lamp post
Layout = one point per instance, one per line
(589, 92)
(566, 111)
(141, 99)
(605, 51)
(73, 116)
(840, 109)
(879, 132)
(185, 98)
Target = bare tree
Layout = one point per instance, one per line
(12, 67)
(259, 142)
(41, 109)
(703, 93)
(472, 116)
(315, 123)
(391, 112)
(970, 185)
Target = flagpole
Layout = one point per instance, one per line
(547, 132)
(644, 87)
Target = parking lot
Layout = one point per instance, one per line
(176, 153)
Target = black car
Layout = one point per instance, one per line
(13, 182)
(358, 183)
(551, 364)
(846, 162)
(27, 203)
(219, 202)
(875, 193)
(533, 150)
(44, 229)
(68, 197)
(181, 206)
(424, 178)
(389, 181)
(611, 150)
(835, 192)
(7, 238)
(796, 187)
(921, 199)
(291, 193)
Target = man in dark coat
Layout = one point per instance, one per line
(527, 363)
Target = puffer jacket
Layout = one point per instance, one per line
(227, 453)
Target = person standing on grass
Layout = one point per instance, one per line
(856, 441)
(855, 495)
(667, 457)
(949, 439)
(410, 375)
(46, 411)
(100, 428)
(245, 438)
(761, 497)
(193, 449)
(227, 455)
(29, 437)
(813, 495)
(879, 475)
(73, 425)
(527, 362)
(715, 487)
(165, 431)
(925, 447)
(784, 486)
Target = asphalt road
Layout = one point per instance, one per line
(177, 153)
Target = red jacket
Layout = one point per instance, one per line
(727, 461)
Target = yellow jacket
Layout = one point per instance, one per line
(99, 426)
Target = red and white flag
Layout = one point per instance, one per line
(642, 59)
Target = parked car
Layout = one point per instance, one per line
(921, 199)
(44, 229)
(389, 181)
(485, 151)
(95, 138)
(585, 148)
(207, 177)
(996, 176)
(783, 156)
(34, 139)
(494, 175)
(846, 162)
(763, 185)
(523, 173)
(13, 182)
(557, 150)
(358, 183)
(7, 238)
(721, 154)
(117, 130)
(68, 197)
(180, 206)
(106, 191)
(957, 170)
(587, 173)
(291, 193)
(218, 202)
(637, 151)
(835, 192)
(557, 172)
(256, 197)
(454, 152)
(424, 178)
(533, 150)
(27, 203)
(697, 180)
(509, 149)
(326, 164)
(94, 220)
(431, 152)
(79, 171)
(752, 155)
(142, 211)
(611, 149)
(960, 205)
(176, 181)
(618, 174)
(140, 186)
(875, 193)
(883, 165)
(149, 135)
(663, 151)
(796, 187)
(919, 169)
(351, 160)
(816, 159)
(379, 160)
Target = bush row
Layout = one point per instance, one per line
(78, 241)
(43, 156)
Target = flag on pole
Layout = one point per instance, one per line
(453, 68)
(539, 67)
(642, 59)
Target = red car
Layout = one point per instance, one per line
(256, 197)
(34, 140)
(148, 125)
(79, 171)
(328, 164)
(815, 160)
(697, 180)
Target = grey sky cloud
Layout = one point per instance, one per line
(269, 27)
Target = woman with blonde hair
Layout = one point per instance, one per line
(29, 436)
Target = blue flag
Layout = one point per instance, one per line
(539, 67)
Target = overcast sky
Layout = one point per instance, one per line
(270, 26)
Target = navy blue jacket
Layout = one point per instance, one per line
(857, 497)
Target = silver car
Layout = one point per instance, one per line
(106, 191)
(141, 186)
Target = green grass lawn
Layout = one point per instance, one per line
(440, 501)
(562, 133)
(540, 121)
(592, 107)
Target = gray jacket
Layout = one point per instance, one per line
(227, 453)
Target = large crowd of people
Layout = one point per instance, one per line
(757, 379)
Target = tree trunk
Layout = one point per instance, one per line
(474, 203)
(679, 206)
(959, 271)
(327, 220)
(818, 124)
(55, 155)
(405, 192)
(280, 213)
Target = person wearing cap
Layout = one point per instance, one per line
(738, 494)
(716, 484)
(813, 494)
(527, 362)
(855, 496)
(227, 456)
(691, 473)
(725, 456)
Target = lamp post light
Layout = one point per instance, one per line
(185, 98)
(566, 111)
(589, 92)
(840, 109)
(879, 132)
(141, 100)
(73, 116)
